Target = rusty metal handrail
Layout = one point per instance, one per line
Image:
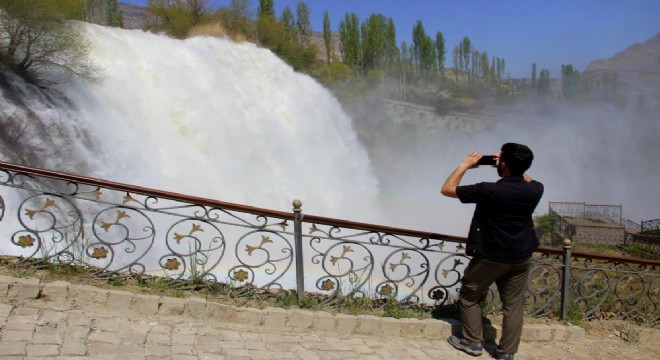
(224, 205)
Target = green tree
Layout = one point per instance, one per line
(418, 39)
(406, 67)
(391, 50)
(374, 30)
(113, 16)
(94, 11)
(441, 51)
(427, 56)
(349, 39)
(236, 18)
(327, 36)
(266, 8)
(501, 69)
(465, 52)
(493, 70)
(289, 22)
(534, 78)
(484, 71)
(457, 60)
(273, 35)
(303, 24)
(178, 17)
(544, 82)
(36, 41)
(570, 81)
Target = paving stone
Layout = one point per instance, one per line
(42, 350)
(300, 319)
(250, 316)
(74, 347)
(145, 304)
(24, 289)
(119, 300)
(275, 318)
(32, 332)
(195, 307)
(13, 348)
(369, 325)
(171, 306)
(324, 321)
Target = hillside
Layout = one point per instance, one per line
(637, 68)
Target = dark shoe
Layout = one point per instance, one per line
(459, 344)
(504, 356)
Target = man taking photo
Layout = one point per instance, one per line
(501, 241)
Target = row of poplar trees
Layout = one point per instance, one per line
(365, 46)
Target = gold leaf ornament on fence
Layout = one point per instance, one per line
(25, 241)
(172, 264)
(386, 290)
(346, 250)
(404, 256)
(120, 215)
(99, 253)
(49, 203)
(195, 228)
(328, 285)
(240, 275)
(264, 240)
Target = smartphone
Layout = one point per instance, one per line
(487, 160)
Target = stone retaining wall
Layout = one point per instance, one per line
(64, 296)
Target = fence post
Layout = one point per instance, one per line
(565, 278)
(297, 229)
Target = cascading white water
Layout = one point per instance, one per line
(213, 118)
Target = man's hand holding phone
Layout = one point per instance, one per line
(488, 160)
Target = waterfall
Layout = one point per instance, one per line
(213, 118)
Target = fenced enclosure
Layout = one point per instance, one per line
(120, 230)
(604, 225)
(578, 210)
(590, 224)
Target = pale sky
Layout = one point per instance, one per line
(546, 32)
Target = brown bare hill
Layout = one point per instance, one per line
(637, 68)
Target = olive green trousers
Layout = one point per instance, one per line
(510, 280)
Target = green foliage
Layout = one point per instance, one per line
(394, 310)
(114, 16)
(574, 313)
(288, 20)
(327, 36)
(36, 41)
(273, 35)
(115, 282)
(543, 87)
(235, 19)
(349, 37)
(178, 17)
(642, 251)
(332, 75)
(441, 51)
(303, 24)
(571, 81)
(289, 299)
(266, 8)
(546, 222)
(630, 333)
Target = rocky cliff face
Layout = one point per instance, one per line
(637, 68)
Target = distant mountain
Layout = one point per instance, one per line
(637, 69)
(135, 17)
